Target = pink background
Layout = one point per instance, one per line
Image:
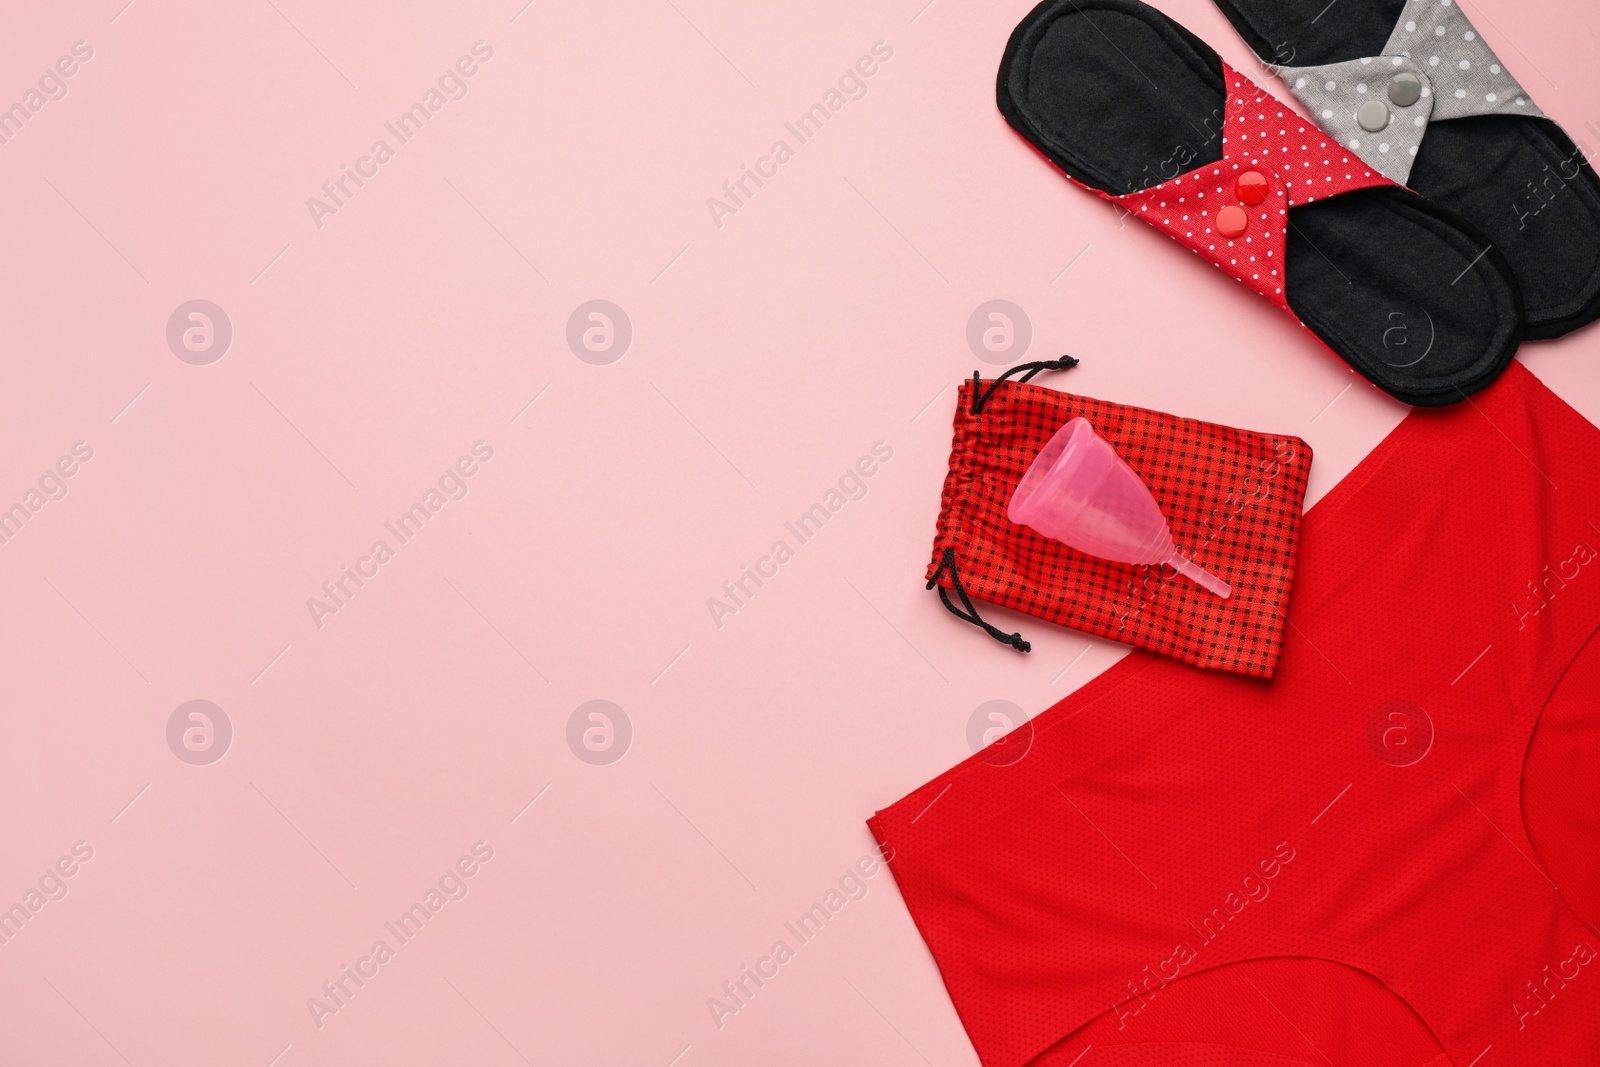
(368, 354)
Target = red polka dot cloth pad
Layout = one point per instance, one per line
(1234, 212)
(1232, 498)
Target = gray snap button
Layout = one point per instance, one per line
(1405, 89)
(1373, 115)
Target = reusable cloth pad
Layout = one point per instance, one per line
(1232, 498)
(1133, 107)
(1412, 88)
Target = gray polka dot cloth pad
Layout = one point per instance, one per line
(1413, 90)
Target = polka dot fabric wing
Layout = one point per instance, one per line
(1458, 74)
(1218, 210)
(1232, 498)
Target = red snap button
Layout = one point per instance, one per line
(1232, 221)
(1251, 188)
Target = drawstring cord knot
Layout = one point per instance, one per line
(948, 563)
(980, 397)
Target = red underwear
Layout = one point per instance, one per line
(1387, 856)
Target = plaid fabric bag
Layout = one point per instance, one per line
(1232, 498)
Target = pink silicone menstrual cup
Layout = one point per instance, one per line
(1080, 492)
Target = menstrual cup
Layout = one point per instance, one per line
(1080, 492)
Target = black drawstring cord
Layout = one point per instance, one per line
(948, 563)
(980, 396)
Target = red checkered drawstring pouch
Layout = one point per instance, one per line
(1232, 498)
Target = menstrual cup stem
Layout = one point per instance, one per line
(1200, 576)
